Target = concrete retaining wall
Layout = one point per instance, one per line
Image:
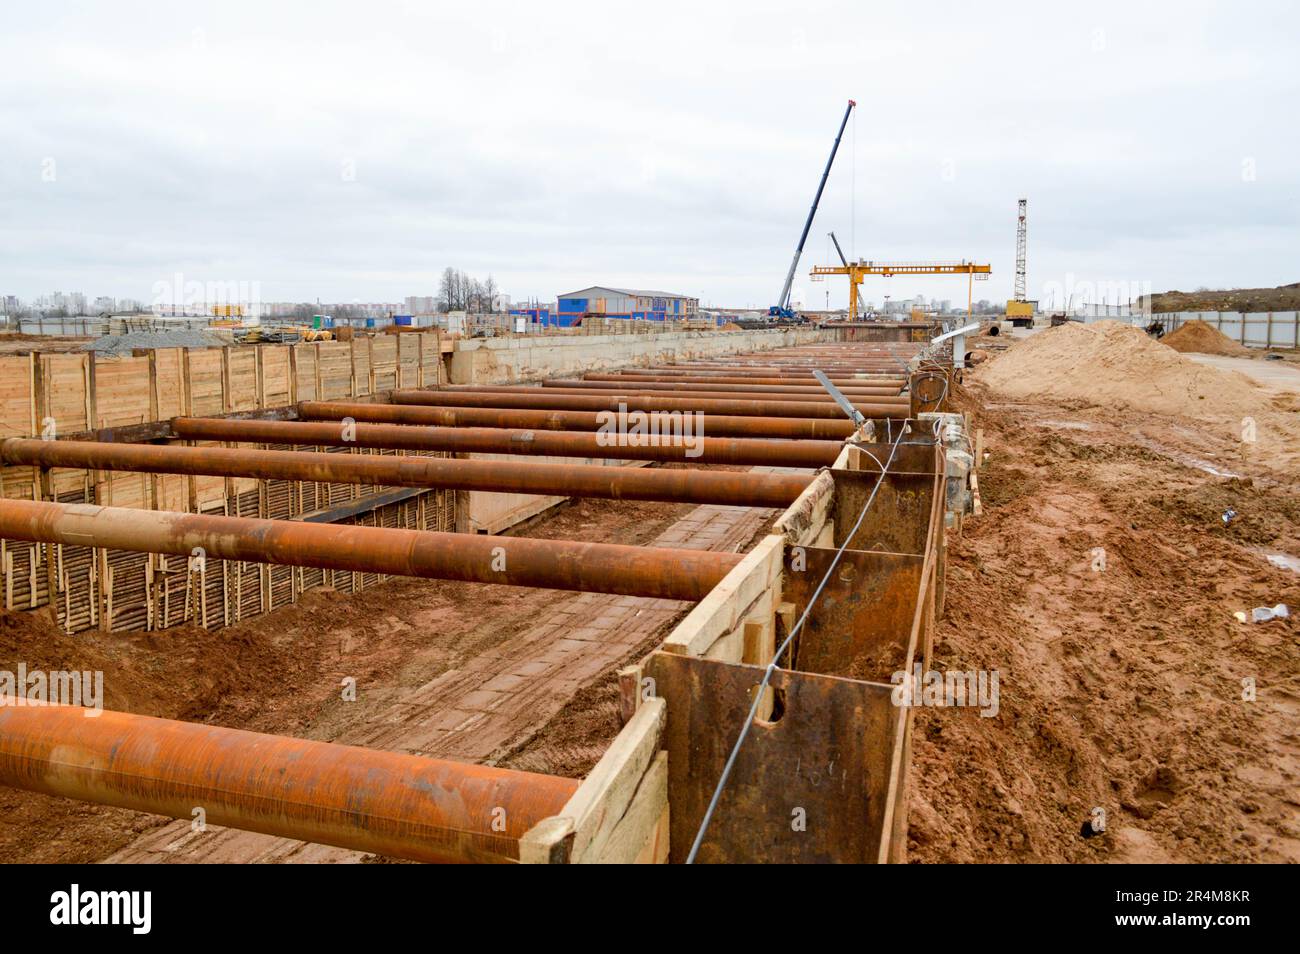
(527, 358)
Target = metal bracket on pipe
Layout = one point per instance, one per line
(845, 404)
(958, 337)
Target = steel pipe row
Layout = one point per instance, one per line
(657, 572)
(879, 407)
(728, 488)
(715, 425)
(632, 391)
(778, 391)
(405, 806)
(491, 440)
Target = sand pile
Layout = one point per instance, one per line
(1202, 338)
(1110, 364)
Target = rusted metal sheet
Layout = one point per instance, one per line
(513, 561)
(406, 806)
(809, 787)
(899, 518)
(861, 623)
(929, 391)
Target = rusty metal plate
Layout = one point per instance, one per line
(899, 518)
(808, 788)
(862, 621)
(912, 457)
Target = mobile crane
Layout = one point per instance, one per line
(782, 307)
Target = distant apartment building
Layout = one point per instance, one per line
(610, 302)
(421, 304)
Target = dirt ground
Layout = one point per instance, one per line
(1121, 688)
(280, 673)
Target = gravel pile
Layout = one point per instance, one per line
(125, 344)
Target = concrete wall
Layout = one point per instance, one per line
(535, 358)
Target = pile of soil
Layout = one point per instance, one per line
(1201, 338)
(1281, 298)
(1116, 366)
(1111, 364)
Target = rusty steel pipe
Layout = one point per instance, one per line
(651, 390)
(781, 392)
(511, 477)
(657, 572)
(491, 440)
(758, 371)
(729, 379)
(390, 803)
(714, 425)
(879, 407)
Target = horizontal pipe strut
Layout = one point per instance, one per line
(511, 477)
(565, 402)
(778, 391)
(632, 392)
(657, 572)
(729, 377)
(715, 425)
(390, 803)
(491, 440)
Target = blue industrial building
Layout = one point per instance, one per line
(607, 302)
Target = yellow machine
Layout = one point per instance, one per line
(859, 270)
(1020, 311)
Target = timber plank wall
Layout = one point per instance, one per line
(61, 394)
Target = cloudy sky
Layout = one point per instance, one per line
(351, 151)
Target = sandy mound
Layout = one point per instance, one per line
(1110, 364)
(1201, 338)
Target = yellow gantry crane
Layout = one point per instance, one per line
(859, 270)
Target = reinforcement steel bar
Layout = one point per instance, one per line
(880, 407)
(491, 440)
(661, 573)
(390, 803)
(562, 480)
(715, 425)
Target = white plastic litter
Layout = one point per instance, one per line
(1262, 614)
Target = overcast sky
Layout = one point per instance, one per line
(351, 151)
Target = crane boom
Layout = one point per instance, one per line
(782, 307)
(845, 262)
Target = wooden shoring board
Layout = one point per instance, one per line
(619, 815)
(748, 593)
